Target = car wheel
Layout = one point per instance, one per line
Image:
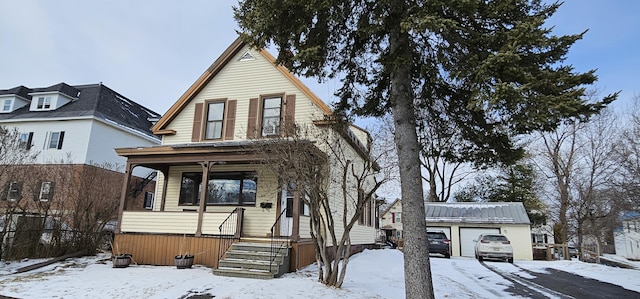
(510, 260)
(480, 258)
(447, 255)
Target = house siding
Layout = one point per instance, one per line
(232, 83)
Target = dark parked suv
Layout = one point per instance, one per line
(439, 243)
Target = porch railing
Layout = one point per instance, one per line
(280, 242)
(230, 231)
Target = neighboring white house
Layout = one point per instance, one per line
(464, 222)
(391, 221)
(79, 124)
(75, 125)
(627, 236)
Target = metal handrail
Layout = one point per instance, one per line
(230, 231)
(275, 249)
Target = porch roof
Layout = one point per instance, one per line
(224, 152)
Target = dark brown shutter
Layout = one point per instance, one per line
(289, 115)
(231, 119)
(29, 141)
(197, 123)
(253, 118)
(60, 140)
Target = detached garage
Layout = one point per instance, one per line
(464, 222)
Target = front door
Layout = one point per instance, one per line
(286, 203)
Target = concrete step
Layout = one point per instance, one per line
(231, 272)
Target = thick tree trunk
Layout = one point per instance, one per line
(417, 271)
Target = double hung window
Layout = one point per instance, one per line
(7, 105)
(25, 140)
(45, 191)
(55, 140)
(271, 108)
(44, 103)
(215, 120)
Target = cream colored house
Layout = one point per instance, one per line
(464, 222)
(391, 221)
(210, 135)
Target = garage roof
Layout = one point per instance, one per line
(477, 212)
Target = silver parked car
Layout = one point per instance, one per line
(494, 246)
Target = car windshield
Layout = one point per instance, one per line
(495, 238)
(437, 236)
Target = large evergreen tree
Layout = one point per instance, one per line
(491, 64)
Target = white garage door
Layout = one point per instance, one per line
(445, 229)
(467, 235)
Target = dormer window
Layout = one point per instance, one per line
(44, 103)
(6, 107)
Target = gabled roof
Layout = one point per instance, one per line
(95, 100)
(477, 212)
(62, 88)
(397, 201)
(161, 126)
(20, 91)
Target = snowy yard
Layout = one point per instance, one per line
(371, 274)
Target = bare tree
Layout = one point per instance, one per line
(325, 164)
(557, 161)
(443, 156)
(593, 206)
(579, 160)
(628, 156)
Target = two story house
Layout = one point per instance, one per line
(211, 170)
(72, 132)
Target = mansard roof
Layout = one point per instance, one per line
(95, 100)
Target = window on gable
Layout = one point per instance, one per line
(46, 191)
(55, 140)
(7, 105)
(215, 120)
(44, 103)
(271, 107)
(25, 140)
(398, 218)
(223, 188)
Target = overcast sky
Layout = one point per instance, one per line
(151, 51)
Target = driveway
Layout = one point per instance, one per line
(555, 283)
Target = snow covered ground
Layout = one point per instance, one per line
(371, 274)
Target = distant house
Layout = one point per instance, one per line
(627, 236)
(74, 130)
(214, 184)
(464, 222)
(391, 221)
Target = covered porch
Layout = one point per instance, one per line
(189, 215)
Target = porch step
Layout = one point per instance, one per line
(243, 273)
(253, 260)
(248, 264)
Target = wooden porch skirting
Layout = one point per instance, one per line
(160, 250)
